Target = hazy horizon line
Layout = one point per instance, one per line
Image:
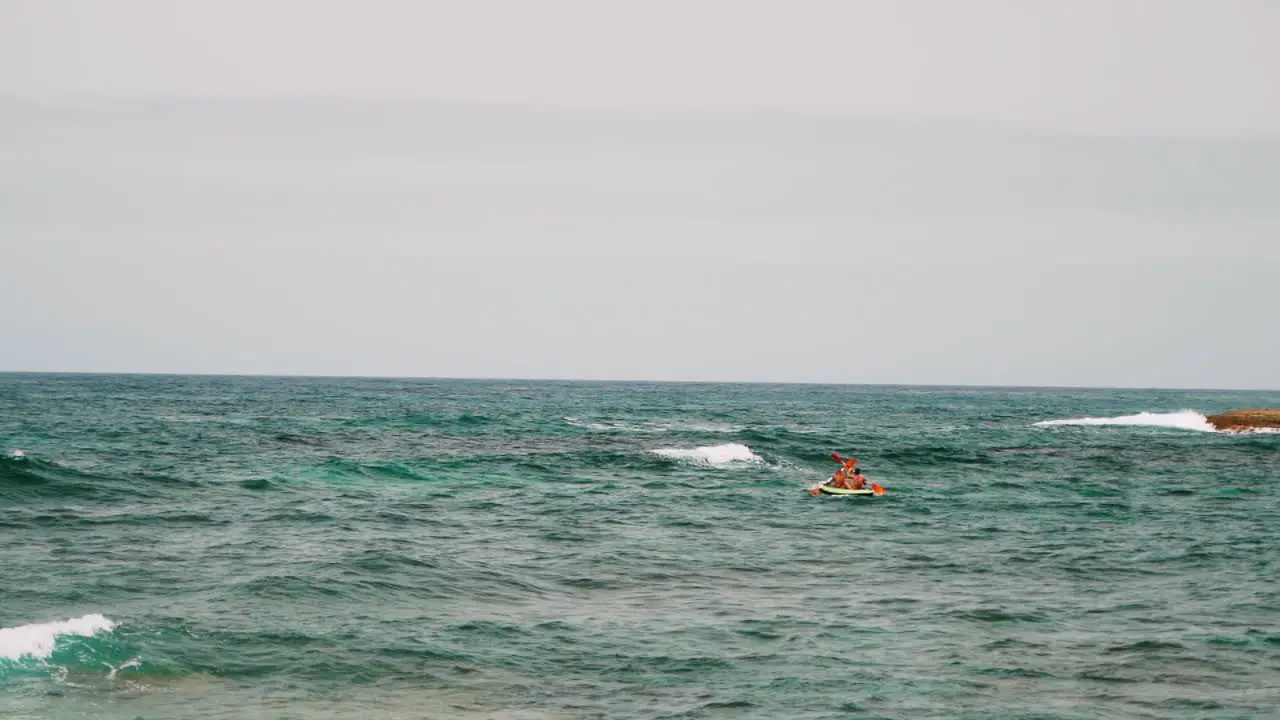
(618, 107)
(623, 381)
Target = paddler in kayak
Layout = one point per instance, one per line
(841, 478)
(859, 482)
(848, 477)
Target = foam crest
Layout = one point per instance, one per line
(713, 454)
(1183, 419)
(38, 639)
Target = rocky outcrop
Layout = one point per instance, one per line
(1246, 419)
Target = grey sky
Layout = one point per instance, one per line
(1109, 66)
(846, 192)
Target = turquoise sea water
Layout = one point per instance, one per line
(206, 547)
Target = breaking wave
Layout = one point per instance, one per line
(39, 639)
(1182, 420)
(713, 454)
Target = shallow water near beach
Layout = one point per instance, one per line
(232, 547)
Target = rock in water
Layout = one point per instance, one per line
(1246, 419)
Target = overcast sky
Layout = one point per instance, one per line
(1019, 192)
(1128, 66)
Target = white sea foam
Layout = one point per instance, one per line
(1183, 419)
(37, 640)
(713, 454)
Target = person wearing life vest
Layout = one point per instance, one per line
(841, 478)
(857, 480)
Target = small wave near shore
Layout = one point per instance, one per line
(1180, 420)
(38, 640)
(1183, 420)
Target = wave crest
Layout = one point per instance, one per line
(713, 454)
(38, 639)
(1183, 420)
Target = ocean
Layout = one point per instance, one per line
(264, 547)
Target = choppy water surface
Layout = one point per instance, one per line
(266, 547)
